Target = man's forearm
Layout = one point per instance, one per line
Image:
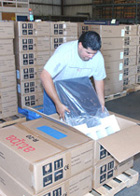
(99, 85)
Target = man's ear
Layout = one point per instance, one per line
(80, 45)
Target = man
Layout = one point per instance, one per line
(71, 60)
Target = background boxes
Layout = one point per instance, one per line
(6, 47)
(32, 58)
(7, 63)
(32, 28)
(64, 29)
(7, 29)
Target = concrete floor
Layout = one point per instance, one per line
(128, 106)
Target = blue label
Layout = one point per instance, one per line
(52, 132)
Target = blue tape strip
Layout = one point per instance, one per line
(52, 132)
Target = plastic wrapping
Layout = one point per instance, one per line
(80, 98)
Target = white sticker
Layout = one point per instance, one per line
(122, 33)
(120, 77)
(18, 88)
(64, 26)
(121, 55)
(18, 75)
(121, 66)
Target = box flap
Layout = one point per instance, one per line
(123, 144)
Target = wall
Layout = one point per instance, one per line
(46, 7)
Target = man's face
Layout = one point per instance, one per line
(85, 54)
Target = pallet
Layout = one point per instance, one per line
(19, 118)
(124, 180)
(116, 96)
(133, 88)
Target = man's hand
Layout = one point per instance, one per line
(61, 109)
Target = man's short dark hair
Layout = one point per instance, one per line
(90, 39)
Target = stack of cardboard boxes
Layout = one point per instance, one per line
(130, 51)
(32, 50)
(119, 48)
(8, 91)
(44, 158)
(34, 44)
(119, 51)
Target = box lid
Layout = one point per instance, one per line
(123, 144)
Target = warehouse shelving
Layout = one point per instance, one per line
(14, 6)
(126, 11)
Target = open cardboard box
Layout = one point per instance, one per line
(123, 144)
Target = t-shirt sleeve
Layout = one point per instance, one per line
(99, 72)
(55, 64)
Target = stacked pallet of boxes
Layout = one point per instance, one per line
(32, 50)
(130, 52)
(119, 45)
(112, 50)
(62, 32)
(8, 91)
(138, 57)
(119, 51)
(45, 158)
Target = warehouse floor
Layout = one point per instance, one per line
(128, 106)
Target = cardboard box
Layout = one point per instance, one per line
(64, 29)
(138, 69)
(8, 109)
(6, 47)
(113, 88)
(130, 51)
(32, 58)
(138, 50)
(32, 44)
(7, 29)
(48, 152)
(137, 78)
(130, 29)
(119, 43)
(27, 73)
(138, 59)
(128, 81)
(114, 66)
(113, 55)
(8, 94)
(129, 70)
(109, 31)
(57, 41)
(7, 63)
(115, 77)
(100, 153)
(105, 170)
(129, 60)
(82, 28)
(79, 184)
(26, 87)
(7, 79)
(30, 99)
(32, 28)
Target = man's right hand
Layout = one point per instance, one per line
(61, 109)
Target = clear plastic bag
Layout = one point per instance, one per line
(80, 98)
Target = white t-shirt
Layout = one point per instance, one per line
(65, 63)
